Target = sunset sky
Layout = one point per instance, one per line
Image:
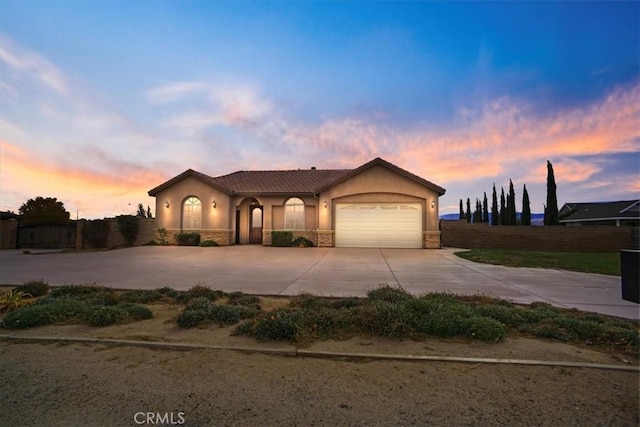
(101, 101)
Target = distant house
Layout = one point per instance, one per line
(375, 205)
(622, 213)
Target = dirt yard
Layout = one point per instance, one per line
(99, 385)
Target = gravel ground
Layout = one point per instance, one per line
(95, 385)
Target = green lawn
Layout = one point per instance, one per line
(588, 262)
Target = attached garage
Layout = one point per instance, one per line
(378, 225)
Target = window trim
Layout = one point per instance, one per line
(298, 206)
(189, 218)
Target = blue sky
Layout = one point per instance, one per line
(102, 101)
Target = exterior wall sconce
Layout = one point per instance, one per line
(433, 203)
(213, 204)
(166, 204)
(325, 203)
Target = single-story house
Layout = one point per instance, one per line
(625, 212)
(375, 205)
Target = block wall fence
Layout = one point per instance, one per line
(461, 234)
(103, 233)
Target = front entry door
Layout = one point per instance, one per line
(255, 226)
(237, 227)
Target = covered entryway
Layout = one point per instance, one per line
(379, 225)
(249, 222)
(255, 228)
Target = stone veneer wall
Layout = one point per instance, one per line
(431, 239)
(461, 234)
(325, 238)
(223, 237)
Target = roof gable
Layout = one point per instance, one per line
(189, 173)
(379, 161)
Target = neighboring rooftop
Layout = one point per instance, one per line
(600, 211)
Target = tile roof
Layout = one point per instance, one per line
(284, 181)
(300, 181)
(624, 209)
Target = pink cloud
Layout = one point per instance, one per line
(502, 137)
(96, 193)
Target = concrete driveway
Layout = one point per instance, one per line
(323, 271)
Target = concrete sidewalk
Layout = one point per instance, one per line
(323, 271)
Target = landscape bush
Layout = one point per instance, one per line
(187, 239)
(277, 325)
(302, 242)
(387, 312)
(202, 309)
(75, 290)
(328, 322)
(141, 296)
(209, 243)
(309, 301)
(128, 226)
(190, 318)
(162, 236)
(198, 291)
(385, 318)
(35, 288)
(389, 294)
(239, 298)
(281, 238)
(230, 314)
(137, 312)
(481, 328)
(106, 316)
(501, 313)
(168, 292)
(349, 302)
(91, 305)
(26, 317)
(91, 294)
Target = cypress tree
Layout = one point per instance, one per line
(485, 209)
(526, 207)
(468, 210)
(495, 214)
(477, 215)
(511, 207)
(503, 209)
(551, 211)
(461, 215)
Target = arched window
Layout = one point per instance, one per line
(294, 214)
(192, 213)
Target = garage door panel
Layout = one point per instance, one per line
(382, 225)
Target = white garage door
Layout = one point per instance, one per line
(379, 225)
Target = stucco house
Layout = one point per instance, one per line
(375, 205)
